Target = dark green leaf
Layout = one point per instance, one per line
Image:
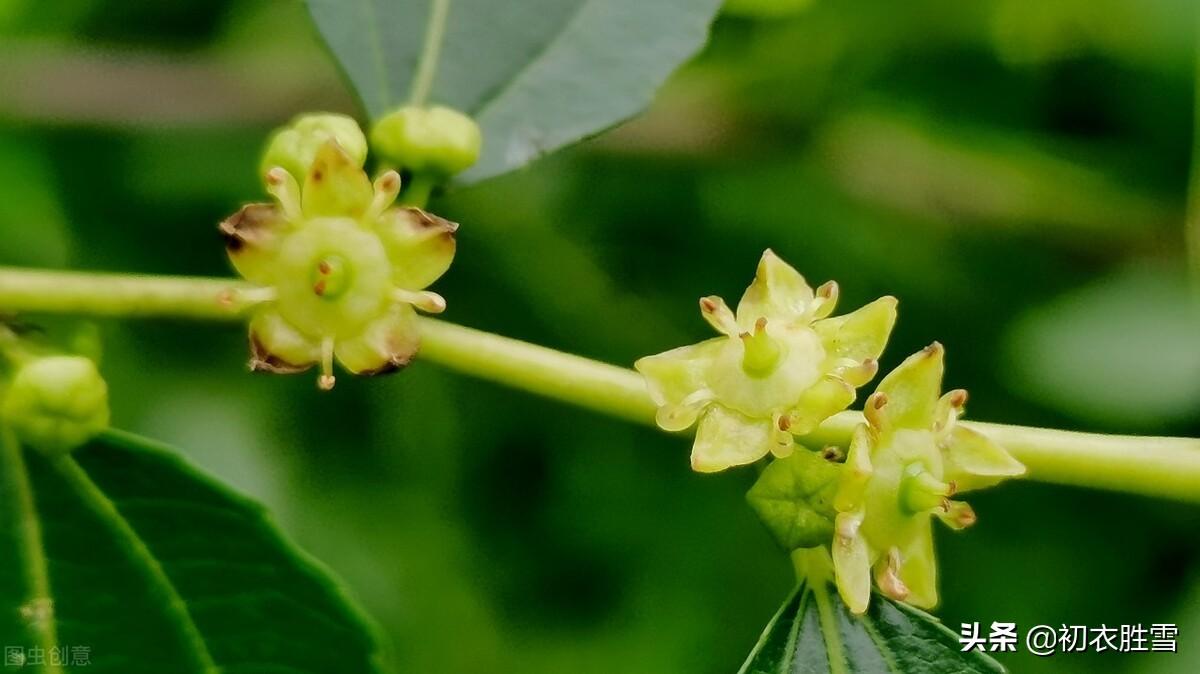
(123, 554)
(536, 75)
(815, 633)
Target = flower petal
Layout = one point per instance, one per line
(386, 345)
(918, 569)
(820, 401)
(860, 334)
(851, 562)
(857, 472)
(252, 237)
(912, 389)
(674, 375)
(726, 438)
(276, 346)
(336, 185)
(778, 292)
(974, 461)
(419, 245)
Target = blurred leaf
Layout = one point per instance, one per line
(963, 175)
(536, 75)
(123, 548)
(814, 625)
(765, 9)
(1122, 351)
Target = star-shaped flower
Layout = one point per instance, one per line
(340, 268)
(903, 466)
(781, 367)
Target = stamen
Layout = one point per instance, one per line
(825, 300)
(949, 409)
(283, 186)
(718, 315)
(958, 515)
(832, 453)
(681, 416)
(847, 525)
(326, 381)
(387, 186)
(782, 442)
(887, 576)
(873, 409)
(857, 374)
(429, 302)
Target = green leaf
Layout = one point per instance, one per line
(124, 550)
(536, 75)
(815, 632)
(1121, 351)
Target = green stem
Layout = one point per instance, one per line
(1151, 466)
(1147, 465)
(435, 32)
(417, 190)
(57, 292)
(24, 529)
(597, 386)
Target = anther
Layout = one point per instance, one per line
(429, 302)
(326, 380)
(887, 576)
(824, 301)
(283, 186)
(387, 186)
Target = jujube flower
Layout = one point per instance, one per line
(903, 466)
(340, 268)
(781, 367)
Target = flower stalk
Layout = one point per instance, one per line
(1163, 467)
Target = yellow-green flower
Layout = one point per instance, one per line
(903, 466)
(781, 367)
(340, 268)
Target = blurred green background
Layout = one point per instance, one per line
(1015, 172)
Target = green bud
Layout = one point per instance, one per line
(794, 498)
(56, 403)
(295, 146)
(433, 140)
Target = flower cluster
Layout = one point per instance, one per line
(903, 466)
(340, 268)
(780, 368)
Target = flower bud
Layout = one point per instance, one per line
(56, 403)
(794, 498)
(295, 146)
(434, 140)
